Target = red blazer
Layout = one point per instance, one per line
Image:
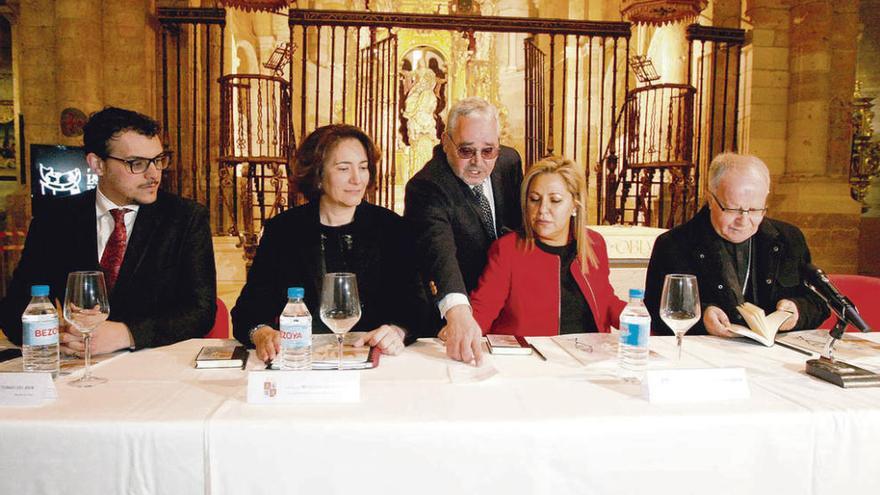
(519, 291)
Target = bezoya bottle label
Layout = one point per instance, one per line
(296, 331)
(635, 331)
(40, 332)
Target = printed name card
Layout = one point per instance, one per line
(695, 385)
(303, 387)
(26, 389)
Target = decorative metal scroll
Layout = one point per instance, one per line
(534, 105)
(255, 149)
(191, 47)
(571, 94)
(665, 136)
(376, 107)
(714, 64)
(865, 158)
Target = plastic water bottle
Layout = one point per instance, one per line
(39, 325)
(635, 328)
(296, 332)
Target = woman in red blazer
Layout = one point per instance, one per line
(552, 278)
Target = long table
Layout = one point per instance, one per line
(160, 426)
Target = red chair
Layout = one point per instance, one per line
(221, 323)
(864, 292)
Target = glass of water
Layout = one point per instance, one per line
(680, 304)
(85, 307)
(340, 305)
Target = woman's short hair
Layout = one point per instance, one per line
(574, 180)
(315, 149)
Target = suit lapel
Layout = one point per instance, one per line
(148, 219)
(498, 196)
(86, 227)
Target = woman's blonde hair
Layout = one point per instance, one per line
(574, 181)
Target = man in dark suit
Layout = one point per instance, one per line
(154, 248)
(737, 253)
(459, 203)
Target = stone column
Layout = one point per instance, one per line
(813, 192)
(844, 50)
(809, 95)
(128, 63)
(37, 71)
(726, 13)
(765, 83)
(79, 45)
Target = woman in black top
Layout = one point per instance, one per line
(336, 231)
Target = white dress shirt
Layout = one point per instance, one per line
(456, 298)
(105, 221)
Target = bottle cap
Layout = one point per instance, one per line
(295, 292)
(39, 290)
(636, 294)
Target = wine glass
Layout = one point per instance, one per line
(680, 304)
(340, 305)
(86, 307)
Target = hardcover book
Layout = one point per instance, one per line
(222, 357)
(508, 344)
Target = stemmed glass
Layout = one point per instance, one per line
(340, 305)
(680, 304)
(85, 307)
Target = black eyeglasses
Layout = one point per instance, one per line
(140, 165)
(469, 152)
(753, 213)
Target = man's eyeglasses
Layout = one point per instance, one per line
(140, 165)
(469, 152)
(753, 213)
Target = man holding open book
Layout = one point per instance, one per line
(738, 255)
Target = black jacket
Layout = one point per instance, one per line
(289, 255)
(167, 286)
(450, 236)
(695, 248)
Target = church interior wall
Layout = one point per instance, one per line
(793, 103)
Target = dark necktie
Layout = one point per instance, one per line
(114, 252)
(485, 210)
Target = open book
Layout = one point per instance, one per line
(325, 353)
(762, 327)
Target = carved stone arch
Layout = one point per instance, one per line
(246, 58)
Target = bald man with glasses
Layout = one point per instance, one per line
(154, 248)
(737, 253)
(463, 199)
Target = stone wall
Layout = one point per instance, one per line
(800, 77)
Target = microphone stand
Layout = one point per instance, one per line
(830, 369)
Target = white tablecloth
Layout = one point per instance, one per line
(556, 427)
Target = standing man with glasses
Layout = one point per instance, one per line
(463, 199)
(737, 253)
(154, 248)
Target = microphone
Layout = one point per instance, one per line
(816, 279)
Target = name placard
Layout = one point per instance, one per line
(26, 389)
(303, 387)
(695, 385)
